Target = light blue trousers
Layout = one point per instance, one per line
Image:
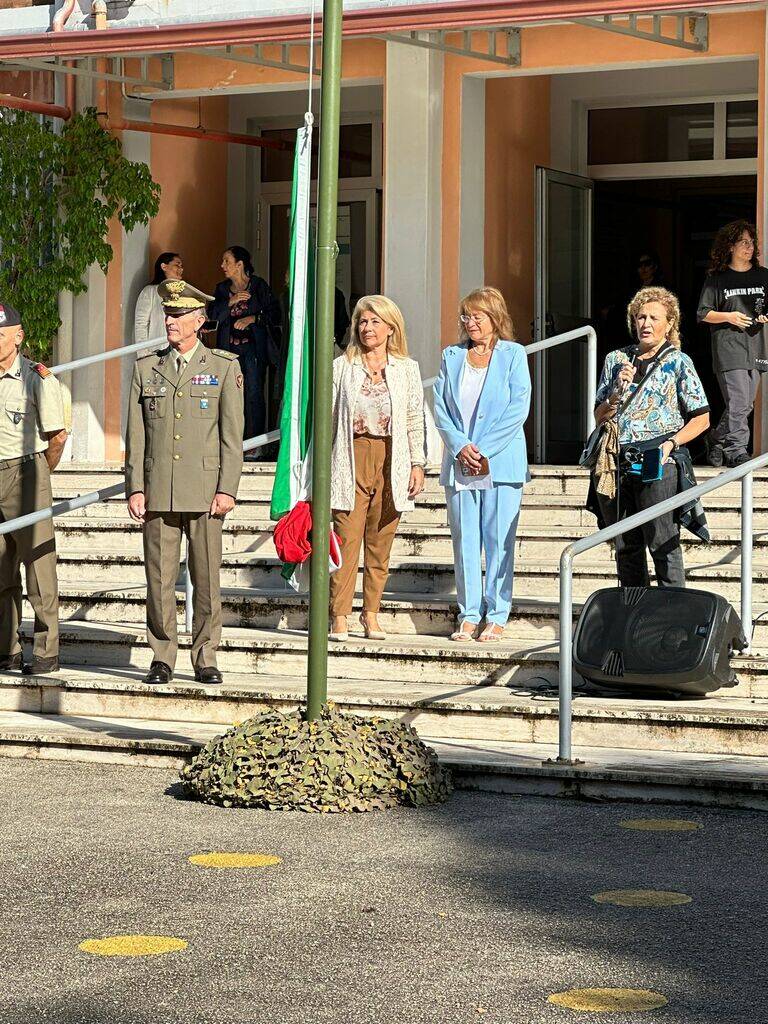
(484, 521)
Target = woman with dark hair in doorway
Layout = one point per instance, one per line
(248, 315)
(734, 302)
(149, 318)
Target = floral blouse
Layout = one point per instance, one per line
(672, 393)
(373, 410)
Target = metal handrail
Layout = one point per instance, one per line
(588, 334)
(743, 473)
(112, 353)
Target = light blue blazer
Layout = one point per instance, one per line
(501, 412)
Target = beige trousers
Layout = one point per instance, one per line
(374, 518)
(26, 487)
(162, 553)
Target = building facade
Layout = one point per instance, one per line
(529, 145)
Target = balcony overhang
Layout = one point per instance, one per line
(359, 21)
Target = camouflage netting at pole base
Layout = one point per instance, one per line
(336, 763)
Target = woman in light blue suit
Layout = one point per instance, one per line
(482, 398)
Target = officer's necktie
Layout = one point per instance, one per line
(179, 367)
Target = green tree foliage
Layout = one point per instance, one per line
(58, 192)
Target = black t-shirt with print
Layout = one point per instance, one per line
(737, 291)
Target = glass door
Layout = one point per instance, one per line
(562, 302)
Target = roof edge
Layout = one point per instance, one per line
(243, 32)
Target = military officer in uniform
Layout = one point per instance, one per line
(32, 437)
(183, 460)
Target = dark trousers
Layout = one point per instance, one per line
(253, 365)
(738, 388)
(26, 487)
(661, 536)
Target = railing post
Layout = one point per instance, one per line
(591, 378)
(746, 556)
(187, 595)
(566, 657)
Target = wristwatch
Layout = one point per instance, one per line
(675, 444)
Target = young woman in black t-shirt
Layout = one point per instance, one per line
(734, 302)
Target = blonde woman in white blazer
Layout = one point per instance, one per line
(377, 463)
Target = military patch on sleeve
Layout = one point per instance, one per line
(239, 380)
(42, 370)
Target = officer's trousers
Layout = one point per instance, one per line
(484, 521)
(26, 487)
(162, 552)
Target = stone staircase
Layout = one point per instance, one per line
(496, 694)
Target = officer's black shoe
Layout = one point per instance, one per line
(41, 666)
(12, 663)
(210, 675)
(158, 674)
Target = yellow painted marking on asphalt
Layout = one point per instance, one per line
(608, 1000)
(133, 945)
(660, 825)
(234, 860)
(642, 898)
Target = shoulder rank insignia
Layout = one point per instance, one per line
(42, 370)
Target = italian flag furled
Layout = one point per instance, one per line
(294, 471)
(293, 474)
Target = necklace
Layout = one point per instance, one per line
(375, 373)
(479, 359)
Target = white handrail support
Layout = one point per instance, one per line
(743, 473)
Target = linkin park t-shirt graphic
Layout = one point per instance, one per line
(737, 291)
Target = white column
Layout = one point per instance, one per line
(137, 146)
(472, 208)
(413, 121)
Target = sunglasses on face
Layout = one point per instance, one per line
(177, 316)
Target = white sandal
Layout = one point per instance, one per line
(463, 636)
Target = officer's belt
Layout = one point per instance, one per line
(10, 463)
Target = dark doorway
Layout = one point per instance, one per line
(676, 219)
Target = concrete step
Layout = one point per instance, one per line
(534, 620)
(534, 578)
(413, 540)
(721, 780)
(423, 659)
(718, 725)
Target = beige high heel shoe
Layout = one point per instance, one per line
(339, 637)
(371, 634)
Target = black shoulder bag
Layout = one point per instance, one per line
(589, 454)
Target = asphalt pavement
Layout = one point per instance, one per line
(476, 910)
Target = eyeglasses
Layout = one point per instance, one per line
(466, 318)
(748, 243)
(646, 263)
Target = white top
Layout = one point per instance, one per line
(149, 318)
(472, 381)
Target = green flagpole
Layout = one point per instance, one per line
(327, 195)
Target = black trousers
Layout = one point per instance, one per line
(661, 536)
(253, 365)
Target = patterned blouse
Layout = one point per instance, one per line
(671, 395)
(373, 410)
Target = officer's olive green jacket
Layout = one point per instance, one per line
(185, 439)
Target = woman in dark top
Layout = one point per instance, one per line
(248, 315)
(734, 302)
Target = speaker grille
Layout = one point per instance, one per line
(613, 664)
(646, 631)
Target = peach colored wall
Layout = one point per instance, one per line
(551, 48)
(193, 175)
(516, 114)
(361, 58)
